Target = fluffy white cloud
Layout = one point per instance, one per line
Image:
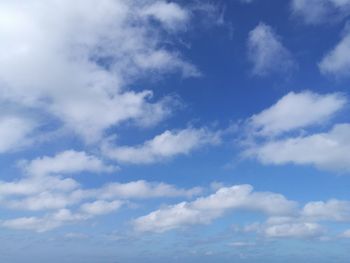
(206, 209)
(324, 150)
(266, 52)
(40, 193)
(269, 138)
(332, 210)
(163, 146)
(336, 62)
(15, 132)
(320, 11)
(66, 162)
(74, 60)
(295, 111)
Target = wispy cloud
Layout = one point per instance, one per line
(266, 52)
(320, 11)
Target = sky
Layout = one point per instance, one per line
(174, 131)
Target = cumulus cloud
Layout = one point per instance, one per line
(36, 193)
(267, 53)
(164, 146)
(205, 209)
(74, 60)
(53, 192)
(332, 210)
(15, 131)
(320, 11)
(295, 111)
(324, 150)
(69, 162)
(49, 193)
(43, 188)
(336, 62)
(305, 224)
(282, 133)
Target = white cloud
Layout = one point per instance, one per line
(74, 60)
(320, 11)
(52, 192)
(324, 150)
(270, 140)
(62, 217)
(35, 185)
(100, 207)
(171, 15)
(164, 146)
(15, 132)
(142, 189)
(294, 230)
(295, 111)
(30, 223)
(46, 223)
(69, 161)
(266, 52)
(40, 193)
(48, 200)
(204, 210)
(337, 61)
(332, 210)
(287, 227)
(43, 187)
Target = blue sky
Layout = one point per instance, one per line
(177, 131)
